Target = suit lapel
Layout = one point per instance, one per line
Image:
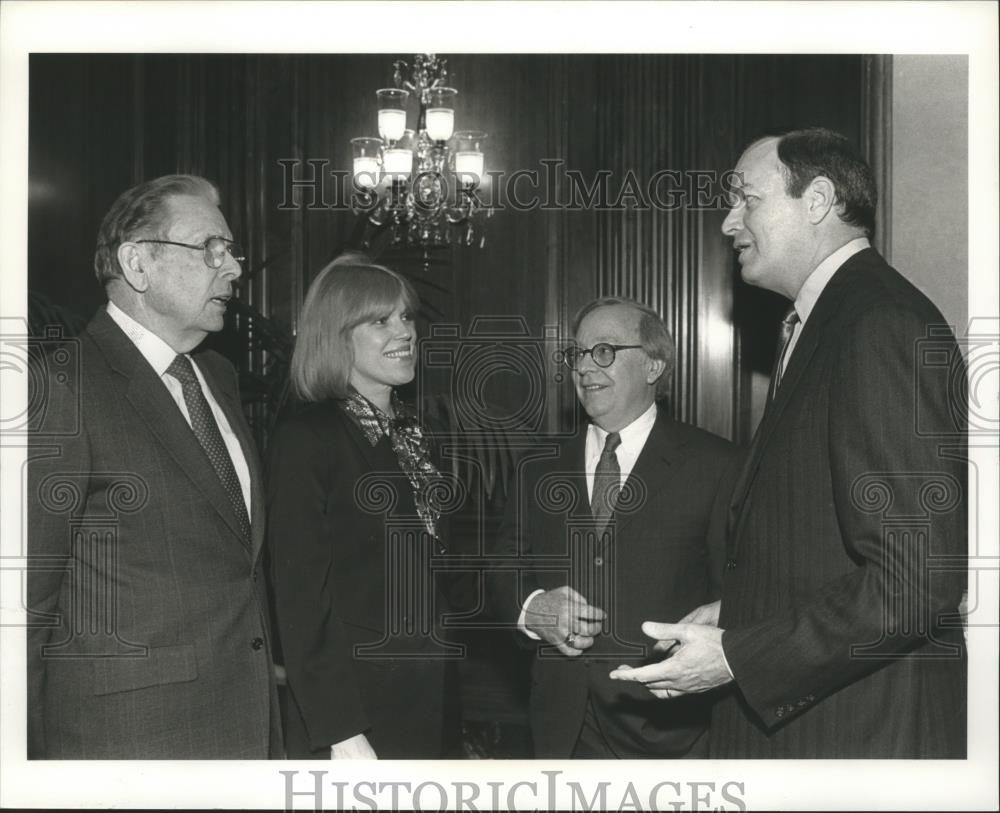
(652, 470)
(233, 410)
(149, 397)
(812, 335)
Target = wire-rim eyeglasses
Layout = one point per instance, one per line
(215, 249)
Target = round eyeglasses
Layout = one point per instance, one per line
(215, 249)
(602, 353)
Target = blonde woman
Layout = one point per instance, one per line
(330, 568)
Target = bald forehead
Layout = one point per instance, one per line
(759, 162)
(763, 146)
(611, 323)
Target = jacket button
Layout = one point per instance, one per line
(730, 564)
(257, 643)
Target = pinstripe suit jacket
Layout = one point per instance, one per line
(847, 541)
(149, 634)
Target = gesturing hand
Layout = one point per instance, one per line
(565, 619)
(356, 747)
(705, 614)
(695, 662)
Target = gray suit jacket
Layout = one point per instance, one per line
(148, 634)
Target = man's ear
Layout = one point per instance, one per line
(130, 262)
(821, 198)
(655, 370)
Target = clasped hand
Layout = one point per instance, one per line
(694, 659)
(565, 619)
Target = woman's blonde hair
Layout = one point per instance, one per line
(346, 293)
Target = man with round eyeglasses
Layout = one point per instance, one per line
(617, 522)
(150, 637)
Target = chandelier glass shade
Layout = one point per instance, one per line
(421, 183)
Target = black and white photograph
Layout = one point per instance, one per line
(461, 392)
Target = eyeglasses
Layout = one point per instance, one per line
(215, 249)
(602, 353)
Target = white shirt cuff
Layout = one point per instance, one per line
(725, 661)
(521, 625)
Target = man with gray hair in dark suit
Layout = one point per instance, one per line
(148, 624)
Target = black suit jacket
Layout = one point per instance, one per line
(148, 634)
(848, 539)
(355, 599)
(658, 565)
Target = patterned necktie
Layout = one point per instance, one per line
(607, 482)
(208, 434)
(784, 339)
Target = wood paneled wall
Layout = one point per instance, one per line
(99, 123)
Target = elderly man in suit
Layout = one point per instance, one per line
(838, 628)
(148, 623)
(610, 530)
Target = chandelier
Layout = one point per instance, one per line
(422, 184)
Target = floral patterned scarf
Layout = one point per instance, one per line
(411, 447)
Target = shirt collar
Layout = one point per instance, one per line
(157, 352)
(637, 430)
(821, 275)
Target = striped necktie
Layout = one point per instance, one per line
(784, 339)
(207, 431)
(607, 482)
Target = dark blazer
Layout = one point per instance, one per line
(657, 566)
(351, 568)
(149, 633)
(848, 537)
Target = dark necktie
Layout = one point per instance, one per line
(208, 434)
(607, 481)
(784, 339)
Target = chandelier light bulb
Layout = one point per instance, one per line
(366, 172)
(469, 167)
(397, 160)
(392, 113)
(398, 163)
(367, 161)
(440, 114)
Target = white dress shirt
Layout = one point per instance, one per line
(633, 438)
(160, 356)
(815, 283)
